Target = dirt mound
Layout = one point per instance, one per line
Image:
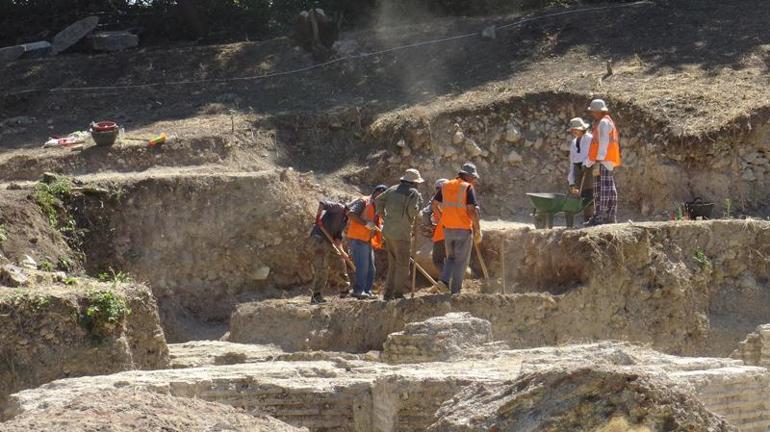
(583, 399)
(132, 410)
(25, 230)
(83, 328)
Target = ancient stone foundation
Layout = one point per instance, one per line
(353, 395)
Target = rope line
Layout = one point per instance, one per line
(516, 23)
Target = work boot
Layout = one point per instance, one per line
(344, 294)
(317, 298)
(594, 221)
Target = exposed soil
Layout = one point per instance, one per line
(134, 410)
(212, 225)
(46, 333)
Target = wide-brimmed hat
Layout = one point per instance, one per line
(440, 182)
(469, 168)
(412, 176)
(578, 123)
(598, 105)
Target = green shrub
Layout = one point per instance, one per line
(702, 260)
(114, 277)
(103, 312)
(50, 198)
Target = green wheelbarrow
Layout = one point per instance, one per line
(547, 205)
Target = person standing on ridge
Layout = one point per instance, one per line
(364, 235)
(603, 158)
(579, 177)
(398, 206)
(332, 218)
(457, 204)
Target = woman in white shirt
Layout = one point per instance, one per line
(579, 177)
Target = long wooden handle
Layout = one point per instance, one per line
(481, 261)
(344, 256)
(424, 273)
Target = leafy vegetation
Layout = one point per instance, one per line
(46, 266)
(50, 197)
(701, 258)
(103, 312)
(114, 277)
(223, 20)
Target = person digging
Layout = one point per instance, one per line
(457, 204)
(579, 177)
(603, 158)
(398, 207)
(364, 236)
(325, 247)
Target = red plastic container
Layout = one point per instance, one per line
(104, 126)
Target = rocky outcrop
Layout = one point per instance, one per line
(755, 349)
(565, 400)
(135, 410)
(57, 331)
(353, 395)
(437, 339)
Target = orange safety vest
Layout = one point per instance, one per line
(613, 149)
(359, 231)
(454, 208)
(438, 233)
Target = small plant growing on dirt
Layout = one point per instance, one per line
(70, 280)
(46, 266)
(3, 233)
(702, 260)
(64, 264)
(49, 197)
(104, 311)
(114, 277)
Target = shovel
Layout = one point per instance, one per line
(337, 250)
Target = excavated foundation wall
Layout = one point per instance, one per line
(339, 395)
(204, 242)
(521, 145)
(703, 285)
(693, 288)
(44, 338)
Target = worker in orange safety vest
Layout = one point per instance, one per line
(603, 158)
(364, 235)
(457, 204)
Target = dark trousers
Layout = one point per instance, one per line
(322, 256)
(459, 244)
(397, 279)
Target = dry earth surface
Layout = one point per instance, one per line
(202, 238)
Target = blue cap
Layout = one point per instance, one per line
(380, 188)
